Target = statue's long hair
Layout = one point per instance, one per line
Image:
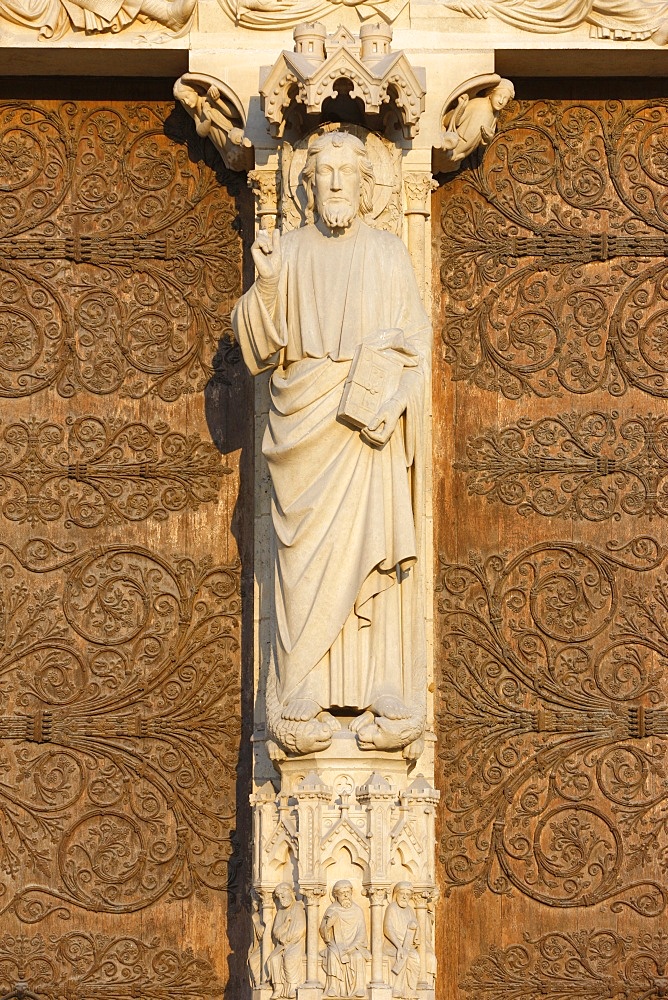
(366, 170)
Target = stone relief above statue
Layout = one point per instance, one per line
(472, 121)
(400, 928)
(285, 964)
(346, 952)
(218, 116)
(270, 15)
(52, 18)
(624, 20)
(335, 312)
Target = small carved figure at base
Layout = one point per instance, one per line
(285, 962)
(344, 932)
(400, 928)
(472, 123)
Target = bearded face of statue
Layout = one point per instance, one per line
(337, 185)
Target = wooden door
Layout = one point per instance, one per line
(551, 477)
(120, 594)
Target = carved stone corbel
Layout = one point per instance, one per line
(218, 115)
(469, 119)
(311, 74)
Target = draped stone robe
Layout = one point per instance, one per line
(348, 628)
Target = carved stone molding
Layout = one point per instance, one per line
(418, 188)
(310, 74)
(272, 15)
(218, 115)
(636, 22)
(553, 725)
(53, 20)
(266, 186)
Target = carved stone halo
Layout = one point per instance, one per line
(385, 158)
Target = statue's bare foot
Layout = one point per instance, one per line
(391, 707)
(300, 710)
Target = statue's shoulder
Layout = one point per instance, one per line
(387, 242)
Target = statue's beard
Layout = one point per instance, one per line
(337, 214)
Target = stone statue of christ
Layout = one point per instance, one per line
(349, 628)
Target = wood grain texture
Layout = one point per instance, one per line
(123, 445)
(551, 613)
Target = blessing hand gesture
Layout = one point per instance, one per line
(266, 251)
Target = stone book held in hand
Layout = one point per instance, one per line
(373, 379)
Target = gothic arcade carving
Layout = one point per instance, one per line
(310, 75)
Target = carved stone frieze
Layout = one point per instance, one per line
(577, 965)
(311, 74)
(592, 465)
(96, 471)
(54, 19)
(119, 728)
(606, 19)
(553, 725)
(81, 964)
(119, 263)
(271, 15)
(553, 253)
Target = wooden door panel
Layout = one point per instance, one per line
(552, 618)
(120, 593)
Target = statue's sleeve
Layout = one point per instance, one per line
(261, 333)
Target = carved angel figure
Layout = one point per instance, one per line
(52, 17)
(216, 118)
(472, 122)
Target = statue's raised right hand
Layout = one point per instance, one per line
(266, 253)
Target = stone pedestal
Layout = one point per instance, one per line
(345, 814)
